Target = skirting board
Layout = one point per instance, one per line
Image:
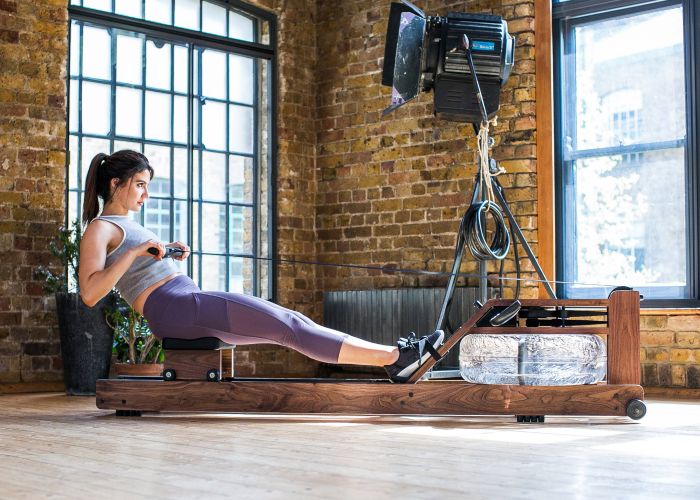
(28, 387)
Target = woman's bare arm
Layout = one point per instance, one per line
(94, 279)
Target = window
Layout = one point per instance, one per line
(625, 167)
(189, 84)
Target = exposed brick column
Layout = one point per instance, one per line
(296, 182)
(33, 52)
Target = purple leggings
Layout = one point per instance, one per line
(181, 310)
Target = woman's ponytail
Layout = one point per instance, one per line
(91, 206)
(120, 165)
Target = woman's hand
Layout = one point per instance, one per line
(185, 250)
(142, 249)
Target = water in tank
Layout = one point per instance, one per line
(525, 359)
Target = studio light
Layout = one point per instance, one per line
(427, 53)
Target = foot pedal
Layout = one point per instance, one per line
(433, 352)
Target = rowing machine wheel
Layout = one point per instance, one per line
(169, 375)
(636, 409)
(213, 375)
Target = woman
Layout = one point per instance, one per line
(114, 253)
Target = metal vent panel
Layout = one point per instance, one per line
(382, 316)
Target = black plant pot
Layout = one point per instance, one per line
(86, 342)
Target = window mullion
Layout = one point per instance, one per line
(571, 9)
(173, 33)
(626, 149)
(227, 180)
(113, 87)
(80, 122)
(255, 174)
(199, 163)
(692, 61)
(172, 142)
(190, 153)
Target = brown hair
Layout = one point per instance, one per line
(122, 165)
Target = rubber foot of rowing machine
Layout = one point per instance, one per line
(530, 419)
(128, 413)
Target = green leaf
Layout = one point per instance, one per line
(124, 320)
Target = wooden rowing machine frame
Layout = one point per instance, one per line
(191, 388)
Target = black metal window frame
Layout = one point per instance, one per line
(195, 42)
(565, 15)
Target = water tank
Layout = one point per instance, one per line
(526, 359)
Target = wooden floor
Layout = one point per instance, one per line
(56, 446)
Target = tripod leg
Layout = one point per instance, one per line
(442, 319)
(450, 290)
(521, 237)
(483, 282)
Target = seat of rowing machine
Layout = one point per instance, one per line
(200, 344)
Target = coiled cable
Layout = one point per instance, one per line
(473, 227)
(472, 233)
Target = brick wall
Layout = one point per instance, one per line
(296, 182)
(671, 349)
(391, 191)
(33, 53)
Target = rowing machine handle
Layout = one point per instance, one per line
(169, 252)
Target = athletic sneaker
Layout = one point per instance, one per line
(413, 352)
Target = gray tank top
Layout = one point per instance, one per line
(145, 270)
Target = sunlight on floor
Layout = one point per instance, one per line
(526, 434)
(663, 447)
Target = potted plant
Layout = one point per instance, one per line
(137, 351)
(86, 339)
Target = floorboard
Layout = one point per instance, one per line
(56, 446)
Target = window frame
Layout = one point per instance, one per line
(198, 40)
(564, 14)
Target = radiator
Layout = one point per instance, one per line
(382, 316)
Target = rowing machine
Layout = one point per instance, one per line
(619, 395)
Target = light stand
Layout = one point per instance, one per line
(480, 188)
